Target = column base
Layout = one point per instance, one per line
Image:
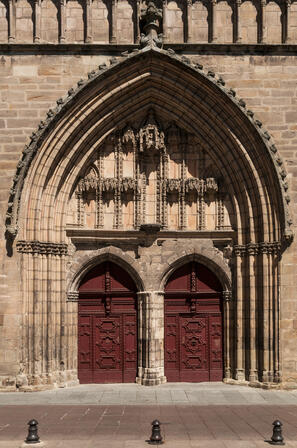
(253, 376)
(151, 377)
(150, 381)
(54, 380)
(240, 375)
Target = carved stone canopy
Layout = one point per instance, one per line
(149, 175)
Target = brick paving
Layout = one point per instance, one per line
(184, 425)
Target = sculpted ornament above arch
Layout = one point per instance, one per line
(151, 173)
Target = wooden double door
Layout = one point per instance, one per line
(193, 326)
(107, 326)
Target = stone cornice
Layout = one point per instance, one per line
(117, 49)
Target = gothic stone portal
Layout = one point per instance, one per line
(193, 326)
(107, 326)
(152, 173)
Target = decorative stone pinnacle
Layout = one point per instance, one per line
(152, 17)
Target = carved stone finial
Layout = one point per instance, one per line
(152, 17)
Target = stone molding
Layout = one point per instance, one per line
(117, 49)
(72, 296)
(42, 248)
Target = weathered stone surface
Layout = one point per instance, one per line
(44, 274)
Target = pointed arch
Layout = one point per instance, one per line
(248, 160)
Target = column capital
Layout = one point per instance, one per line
(227, 296)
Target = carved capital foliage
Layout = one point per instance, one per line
(254, 249)
(42, 248)
(239, 250)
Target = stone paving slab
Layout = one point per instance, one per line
(186, 425)
(142, 444)
(171, 393)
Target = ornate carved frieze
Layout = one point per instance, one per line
(193, 184)
(42, 248)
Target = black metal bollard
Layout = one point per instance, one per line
(277, 436)
(32, 436)
(156, 438)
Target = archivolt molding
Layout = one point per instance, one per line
(208, 256)
(94, 77)
(83, 262)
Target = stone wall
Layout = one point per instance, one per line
(30, 85)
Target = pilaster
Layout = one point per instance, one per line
(88, 31)
(189, 22)
(37, 21)
(113, 37)
(62, 21)
(11, 21)
(213, 21)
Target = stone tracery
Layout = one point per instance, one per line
(148, 180)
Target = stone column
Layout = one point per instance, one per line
(262, 31)
(88, 32)
(265, 312)
(276, 254)
(237, 24)
(113, 38)
(239, 252)
(37, 21)
(165, 24)
(151, 338)
(62, 21)
(252, 251)
(189, 22)
(213, 21)
(11, 21)
(227, 296)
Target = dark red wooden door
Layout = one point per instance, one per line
(107, 326)
(193, 325)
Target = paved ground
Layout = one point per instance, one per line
(192, 415)
(171, 393)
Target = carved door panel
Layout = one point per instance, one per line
(193, 326)
(107, 350)
(85, 347)
(216, 349)
(172, 348)
(130, 347)
(107, 326)
(194, 349)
